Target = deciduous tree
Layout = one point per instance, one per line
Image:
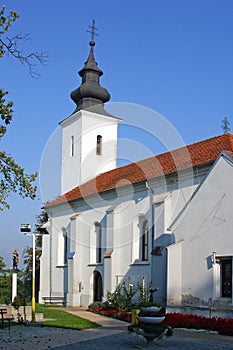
(5, 283)
(13, 177)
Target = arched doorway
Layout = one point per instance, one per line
(98, 288)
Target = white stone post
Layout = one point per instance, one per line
(14, 285)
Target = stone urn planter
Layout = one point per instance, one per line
(150, 324)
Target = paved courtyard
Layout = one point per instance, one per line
(125, 341)
(39, 338)
(112, 335)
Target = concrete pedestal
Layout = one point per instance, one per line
(14, 285)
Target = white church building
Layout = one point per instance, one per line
(167, 219)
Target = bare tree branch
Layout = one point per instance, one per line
(13, 177)
(11, 47)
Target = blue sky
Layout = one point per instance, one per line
(172, 56)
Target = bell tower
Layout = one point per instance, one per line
(89, 134)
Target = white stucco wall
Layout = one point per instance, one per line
(120, 220)
(70, 167)
(205, 227)
(76, 278)
(174, 273)
(94, 125)
(84, 164)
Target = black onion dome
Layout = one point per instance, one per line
(90, 93)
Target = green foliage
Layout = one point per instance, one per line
(5, 283)
(98, 304)
(143, 292)
(6, 110)
(41, 219)
(12, 176)
(27, 259)
(14, 179)
(24, 286)
(5, 23)
(122, 298)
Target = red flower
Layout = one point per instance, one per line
(221, 325)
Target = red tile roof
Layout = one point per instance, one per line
(166, 163)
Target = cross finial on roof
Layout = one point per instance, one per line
(225, 125)
(93, 30)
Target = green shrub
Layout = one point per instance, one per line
(121, 299)
(97, 304)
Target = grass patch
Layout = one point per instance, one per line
(63, 319)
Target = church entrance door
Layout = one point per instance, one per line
(98, 288)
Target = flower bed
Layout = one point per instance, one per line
(123, 316)
(177, 320)
(220, 325)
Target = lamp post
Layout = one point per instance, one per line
(26, 229)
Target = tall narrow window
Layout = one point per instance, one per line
(65, 252)
(145, 240)
(99, 145)
(72, 146)
(98, 233)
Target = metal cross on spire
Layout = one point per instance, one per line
(93, 30)
(225, 125)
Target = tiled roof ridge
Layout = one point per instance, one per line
(230, 138)
(168, 162)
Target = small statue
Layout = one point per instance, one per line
(151, 292)
(15, 259)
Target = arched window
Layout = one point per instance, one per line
(99, 145)
(98, 233)
(144, 240)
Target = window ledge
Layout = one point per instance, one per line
(96, 264)
(140, 263)
(62, 266)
